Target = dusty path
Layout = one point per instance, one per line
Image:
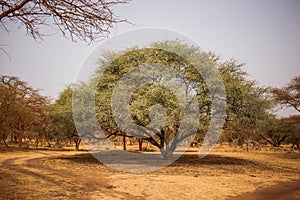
(77, 175)
(27, 176)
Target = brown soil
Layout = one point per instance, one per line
(280, 191)
(223, 174)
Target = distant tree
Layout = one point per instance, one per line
(22, 109)
(289, 95)
(86, 20)
(60, 119)
(294, 121)
(275, 131)
(247, 104)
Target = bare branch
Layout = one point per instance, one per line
(86, 20)
(13, 8)
(5, 52)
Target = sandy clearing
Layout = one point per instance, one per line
(77, 175)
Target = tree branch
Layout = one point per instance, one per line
(13, 9)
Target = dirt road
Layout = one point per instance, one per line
(28, 176)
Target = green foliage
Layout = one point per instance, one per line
(276, 131)
(60, 118)
(294, 138)
(247, 103)
(152, 93)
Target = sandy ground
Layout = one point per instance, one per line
(223, 174)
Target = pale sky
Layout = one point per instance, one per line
(263, 34)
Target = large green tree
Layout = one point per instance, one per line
(158, 99)
(155, 92)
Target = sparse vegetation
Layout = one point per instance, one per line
(253, 150)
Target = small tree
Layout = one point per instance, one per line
(275, 131)
(294, 121)
(289, 95)
(61, 123)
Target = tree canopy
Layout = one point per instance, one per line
(276, 131)
(60, 118)
(156, 101)
(289, 95)
(22, 109)
(247, 103)
(145, 96)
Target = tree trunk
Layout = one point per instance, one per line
(20, 142)
(124, 142)
(167, 154)
(47, 140)
(15, 139)
(169, 150)
(247, 145)
(5, 142)
(247, 142)
(36, 143)
(77, 143)
(140, 141)
(297, 143)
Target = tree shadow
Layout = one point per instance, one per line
(139, 163)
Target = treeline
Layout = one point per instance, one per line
(29, 118)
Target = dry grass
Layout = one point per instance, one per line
(222, 174)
